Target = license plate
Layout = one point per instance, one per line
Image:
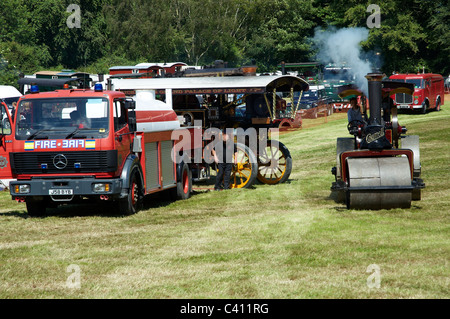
(60, 192)
(403, 106)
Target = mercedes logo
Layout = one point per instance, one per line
(60, 161)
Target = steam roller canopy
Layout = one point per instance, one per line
(379, 183)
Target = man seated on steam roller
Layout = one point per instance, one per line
(354, 114)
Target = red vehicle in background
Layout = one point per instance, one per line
(428, 91)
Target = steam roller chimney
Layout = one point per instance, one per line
(375, 137)
(375, 98)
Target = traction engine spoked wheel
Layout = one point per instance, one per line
(244, 173)
(274, 163)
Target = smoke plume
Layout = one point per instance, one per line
(343, 47)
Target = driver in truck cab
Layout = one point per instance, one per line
(77, 119)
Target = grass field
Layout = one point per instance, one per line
(286, 241)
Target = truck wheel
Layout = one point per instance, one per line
(133, 202)
(438, 105)
(184, 184)
(36, 208)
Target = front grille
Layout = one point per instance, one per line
(401, 98)
(43, 162)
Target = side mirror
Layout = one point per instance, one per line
(130, 104)
(132, 121)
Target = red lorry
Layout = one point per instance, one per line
(428, 91)
(76, 144)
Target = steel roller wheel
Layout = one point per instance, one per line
(274, 163)
(244, 173)
(379, 183)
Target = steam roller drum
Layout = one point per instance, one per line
(379, 183)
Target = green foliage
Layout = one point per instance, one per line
(35, 34)
(192, 31)
(439, 48)
(8, 77)
(25, 58)
(281, 31)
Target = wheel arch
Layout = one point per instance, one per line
(438, 100)
(132, 162)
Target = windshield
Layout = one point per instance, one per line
(10, 100)
(417, 83)
(310, 95)
(307, 96)
(5, 124)
(59, 118)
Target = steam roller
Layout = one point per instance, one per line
(377, 168)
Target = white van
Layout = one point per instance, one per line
(9, 94)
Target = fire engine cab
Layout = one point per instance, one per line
(428, 92)
(75, 144)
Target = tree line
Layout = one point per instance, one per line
(39, 35)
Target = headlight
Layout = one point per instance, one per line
(22, 189)
(416, 101)
(101, 187)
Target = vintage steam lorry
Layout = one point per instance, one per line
(378, 168)
(78, 144)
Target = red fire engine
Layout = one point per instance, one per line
(428, 92)
(75, 144)
(5, 142)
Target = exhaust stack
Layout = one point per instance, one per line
(375, 97)
(375, 138)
